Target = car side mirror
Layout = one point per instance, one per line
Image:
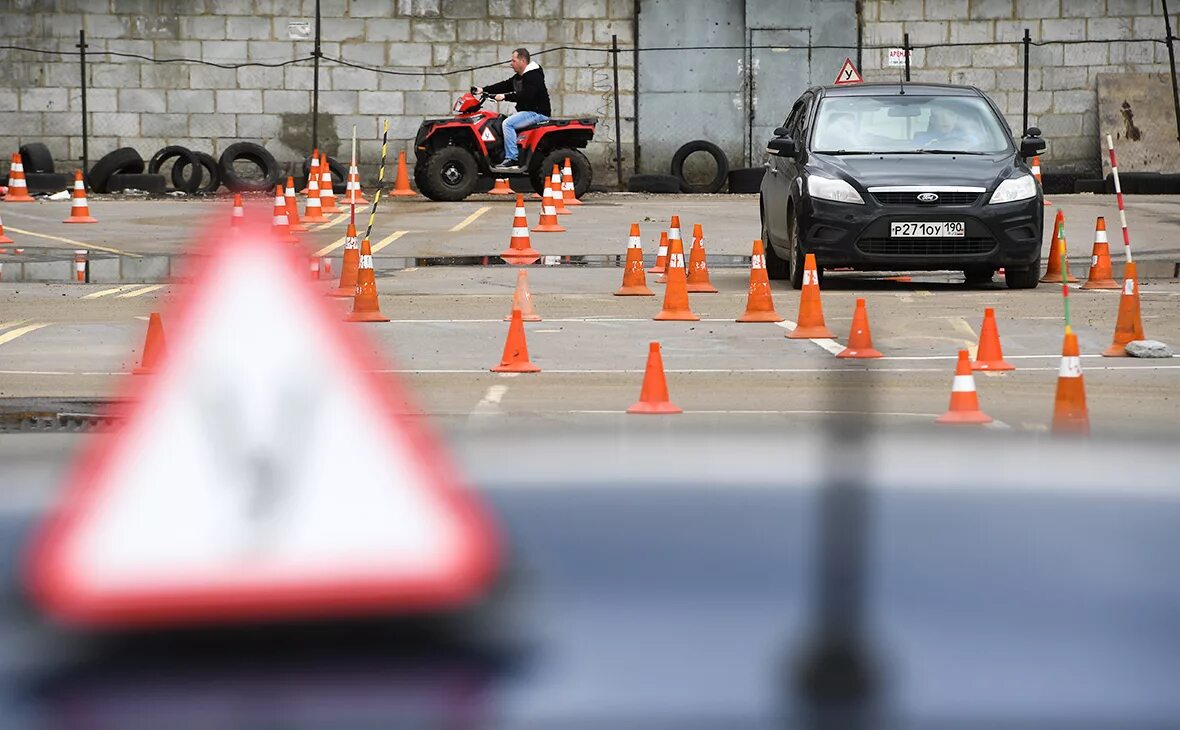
(780, 132)
(1032, 146)
(781, 147)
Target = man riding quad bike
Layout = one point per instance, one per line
(453, 154)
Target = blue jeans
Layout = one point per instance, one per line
(514, 122)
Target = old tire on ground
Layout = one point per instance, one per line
(449, 174)
(148, 182)
(272, 174)
(580, 168)
(339, 174)
(35, 157)
(718, 155)
(48, 182)
(653, 183)
(746, 179)
(123, 161)
(182, 155)
(208, 179)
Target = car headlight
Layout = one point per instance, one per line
(826, 188)
(1017, 188)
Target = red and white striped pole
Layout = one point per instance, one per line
(80, 265)
(1118, 191)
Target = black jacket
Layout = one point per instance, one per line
(527, 90)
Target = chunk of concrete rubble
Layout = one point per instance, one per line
(1148, 348)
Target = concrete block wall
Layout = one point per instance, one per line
(150, 105)
(1063, 85)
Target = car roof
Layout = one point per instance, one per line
(878, 88)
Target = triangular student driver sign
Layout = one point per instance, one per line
(848, 74)
(262, 473)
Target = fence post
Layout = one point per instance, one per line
(1172, 64)
(315, 83)
(614, 55)
(85, 126)
(1024, 110)
(905, 43)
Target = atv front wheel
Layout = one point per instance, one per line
(449, 174)
(583, 173)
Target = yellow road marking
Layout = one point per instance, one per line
(388, 240)
(331, 247)
(13, 334)
(13, 323)
(471, 218)
(138, 292)
(75, 244)
(335, 221)
(108, 292)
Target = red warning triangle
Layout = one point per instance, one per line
(262, 473)
(848, 74)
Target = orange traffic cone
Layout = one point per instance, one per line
(313, 171)
(676, 295)
(653, 396)
(352, 192)
(759, 305)
(1036, 171)
(279, 221)
(811, 310)
(327, 194)
(501, 187)
(349, 266)
(516, 349)
(860, 339)
(520, 251)
(661, 264)
(313, 211)
(18, 187)
(80, 263)
(558, 195)
(1129, 326)
(365, 307)
(1101, 276)
(698, 269)
(292, 203)
(548, 222)
(634, 280)
(1069, 407)
(964, 408)
(313, 267)
(79, 209)
(239, 214)
(4, 238)
(568, 194)
(522, 299)
(1053, 269)
(989, 355)
(401, 186)
(153, 346)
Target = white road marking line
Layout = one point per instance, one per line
(108, 292)
(335, 221)
(11, 335)
(140, 292)
(828, 344)
(388, 240)
(12, 323)
(789, 413)
(70, 241)
(490, 403)
(471, 218)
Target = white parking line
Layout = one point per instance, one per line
(11, 335)
(141, 292)
(828, 344)
(490, 403)
(108, 292)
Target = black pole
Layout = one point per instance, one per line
(1024, 113)
(85, 126)
(905, 43)
(635, 147)
(1172, 64)
(315, 81)
(614, 55)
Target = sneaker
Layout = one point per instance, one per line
(509, 163)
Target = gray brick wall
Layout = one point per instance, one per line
(147, 105)
(1063, 87)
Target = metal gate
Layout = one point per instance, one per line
(776, 77)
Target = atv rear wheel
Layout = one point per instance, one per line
(449, 174)
(580, 167)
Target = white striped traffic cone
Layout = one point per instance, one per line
(79, 209)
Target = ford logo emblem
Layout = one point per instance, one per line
(927, 197)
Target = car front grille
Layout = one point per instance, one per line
(944, 198)
(874, 246)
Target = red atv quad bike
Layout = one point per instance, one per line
(453, 154)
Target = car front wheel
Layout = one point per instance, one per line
(797, 258)
(1026, 278)
(776, 268)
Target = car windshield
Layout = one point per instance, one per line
(908, 125)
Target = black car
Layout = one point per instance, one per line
(886, 177)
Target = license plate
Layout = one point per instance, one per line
(926, 229)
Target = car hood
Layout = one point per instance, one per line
(939, 170)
